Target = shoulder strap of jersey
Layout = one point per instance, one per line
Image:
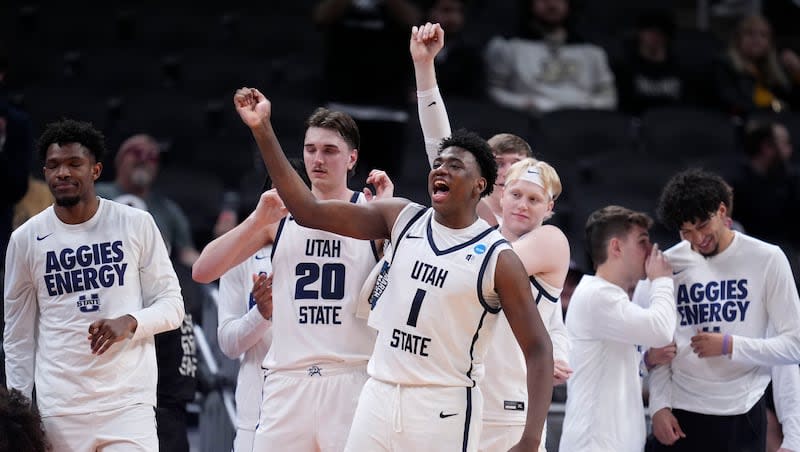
(405, 229)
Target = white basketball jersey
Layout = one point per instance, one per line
(317, 278)
(437, 312)
(505, 389)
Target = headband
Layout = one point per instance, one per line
(533, 176)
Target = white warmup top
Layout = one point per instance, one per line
(62, 277)
(604, 394)
(244, 334)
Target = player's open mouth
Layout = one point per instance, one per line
(440, 190)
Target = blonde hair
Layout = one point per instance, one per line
(508, 143)
(769, 67)
(548, 174)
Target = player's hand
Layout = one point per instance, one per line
(426, 42)
(657, 264)
(270, 208)
(707, 345)
(661, 355)
(666, 428)
(106, 332)
(561, 372)
(262, 293)
(252, 106)
(384, 187)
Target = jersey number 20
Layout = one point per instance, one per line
(330, 276)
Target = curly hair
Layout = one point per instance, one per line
(692, 196)
(479, 148)
(68, 131)
(20, 425)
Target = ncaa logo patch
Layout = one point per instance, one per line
(479, 248)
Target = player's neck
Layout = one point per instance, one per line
(79, 213)
(608, 272)
(341, 192)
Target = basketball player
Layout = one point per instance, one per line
(319, 349)
(738, 316)
(244, 333)
(604, 395)
(436, 311)
(87, 266)
(544, 251)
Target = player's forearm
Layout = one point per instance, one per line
(660, 387)
(228, 250)
(433, 119)
(236, 336)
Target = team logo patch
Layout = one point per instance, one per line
(380, 285)
(90, 304)
(479, 248)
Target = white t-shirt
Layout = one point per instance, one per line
(746, 291)
(604, 394)
(243, 333)
(62, 277)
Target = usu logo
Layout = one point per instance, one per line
(89, 304)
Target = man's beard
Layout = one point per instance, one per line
(68, 201)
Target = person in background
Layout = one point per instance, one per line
(136, 164)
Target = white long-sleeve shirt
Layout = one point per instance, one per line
(244, 333)
(786, 393)
(746, 291)
(62, 277)
(604, 394)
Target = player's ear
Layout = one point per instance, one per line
(351, 163)
(97, 169)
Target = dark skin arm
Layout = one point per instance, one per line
(511, 281)
(369, 221)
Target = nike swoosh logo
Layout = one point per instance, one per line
(258, 258)
(443, 415)
(677, 272)
(43, 237)
(432, 103)
(409, 236)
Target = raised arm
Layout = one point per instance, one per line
(513, 287)
(370, 221)
(235, 246)
(426, 42)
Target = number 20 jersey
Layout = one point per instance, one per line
(437, 314)
(318, 275)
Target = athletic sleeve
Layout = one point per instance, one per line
(433, 119)
(239, 327)
(786, 393)
(660, 385)
(619, 319)
(162, 302)
(21, 311)
(783, 309)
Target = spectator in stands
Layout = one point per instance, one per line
(366, 74)
(20, 424)
(459, 65)
(547, 66)
(648, 75)
(16, 155)
(604, 396)
(766, 188)
(136, 170)
(750, 76)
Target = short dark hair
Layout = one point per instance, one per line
(68, 131)
(692, 195)
(607, 223)
(479, 148)
(338, 121)
(20, 424)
